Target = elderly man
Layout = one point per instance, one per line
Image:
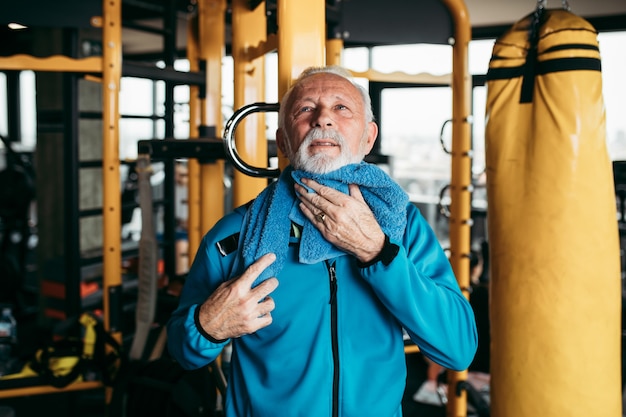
(315, 280)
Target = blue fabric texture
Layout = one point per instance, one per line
(266, 228)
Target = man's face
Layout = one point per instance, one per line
(325, 125)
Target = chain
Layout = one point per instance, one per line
(542, 4)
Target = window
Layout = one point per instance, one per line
(411, 118)
(614, 91)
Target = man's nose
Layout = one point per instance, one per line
(323, 118)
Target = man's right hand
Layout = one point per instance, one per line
(235, 309)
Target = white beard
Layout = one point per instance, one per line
(321, 163)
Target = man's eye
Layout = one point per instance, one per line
(305, 109)
(341, 107)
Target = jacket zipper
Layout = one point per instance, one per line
(333, 326)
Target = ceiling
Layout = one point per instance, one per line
(502, 12)
(367, 20)
(363, 21)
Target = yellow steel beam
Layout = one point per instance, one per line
(460, 185)
(194, 231)
(211, 30)
(111, 200)
(111, 222)
(301, 41)
(334, 51)
(249, 28)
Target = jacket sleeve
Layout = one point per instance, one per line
(186, 341)
(419, 288)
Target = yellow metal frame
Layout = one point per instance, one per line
(110, 66)
(403, 77)
(211, 46)
(56, 63)
(301, 43)
(334, 51)
(111, 207)
(194, 231)
(249, 28)
(461, 179)
(205, 44)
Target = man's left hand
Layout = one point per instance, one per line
(344, 220)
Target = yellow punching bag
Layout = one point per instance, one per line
(554, 249)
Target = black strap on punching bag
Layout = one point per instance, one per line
(529, 69)
(534, 66)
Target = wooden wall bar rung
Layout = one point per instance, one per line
(55, 63)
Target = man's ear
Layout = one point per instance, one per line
(372, 134)
(280, 141)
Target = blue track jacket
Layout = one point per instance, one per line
(335, 345)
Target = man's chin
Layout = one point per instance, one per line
(322, 163)
(320, 167)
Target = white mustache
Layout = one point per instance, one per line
(319, 133)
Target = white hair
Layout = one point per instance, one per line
(331, 69)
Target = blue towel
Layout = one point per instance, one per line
(268, 220)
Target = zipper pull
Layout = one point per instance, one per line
(333, 282)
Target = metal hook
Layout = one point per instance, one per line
(542, 4)
(231, 148)
(443, 209)
(443, 145)
(468, 119)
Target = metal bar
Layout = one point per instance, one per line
(71, 175)
(301, 42)
(194, 233)
(249, 27)
(334, 51)
(402, 77)
(460, 185)
(13, 106)
(169, 189)
(211, 27)
(205, 150)
(55, 63)
(111, 211)
(129, 24)
(229, 140)
(140, 70)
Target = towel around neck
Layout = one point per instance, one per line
(267, 224)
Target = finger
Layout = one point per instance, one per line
(254, 270)
(306, 196)
(355, 192)
(313, 204)
(310, 214)
(307, 209)
(262, 291)
(266, 306)
(263, 321)
(326, 193)
(306, 201)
